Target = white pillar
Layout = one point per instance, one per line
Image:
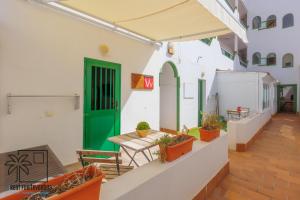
(236, 10)
(236, 4)
(236, 44)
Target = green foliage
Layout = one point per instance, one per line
(143, 126)
(169, 141)
(211, 121)
(165, 140)
(223, 123)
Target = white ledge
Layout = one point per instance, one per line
(177, 180)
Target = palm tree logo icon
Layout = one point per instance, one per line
(17, 164)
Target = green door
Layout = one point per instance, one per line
(287, 98)
(101, 104)
(201, 100)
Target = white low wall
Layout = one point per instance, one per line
(241, 132)
(181, 179)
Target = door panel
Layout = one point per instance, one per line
(201, 100)
(101, 110)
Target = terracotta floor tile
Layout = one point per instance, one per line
(270, 169)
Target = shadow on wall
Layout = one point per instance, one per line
(212, 105)
(137, 62)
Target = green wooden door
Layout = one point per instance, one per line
(101, 104)
(201, 100)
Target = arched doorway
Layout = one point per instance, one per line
(169, 83)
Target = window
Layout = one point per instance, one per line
(271, 59)
(256, 22)
(288, 60)
(271, 21)
(288, 21)
(256, 58)
(266, 96)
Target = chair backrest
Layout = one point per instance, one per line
(95, 156)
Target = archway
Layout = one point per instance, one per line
(169, 83)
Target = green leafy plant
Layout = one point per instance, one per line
(223, 122)
(211, 121)
(166, 141)
(163, 142)
(143, 126)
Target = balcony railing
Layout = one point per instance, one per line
(207, 41)
(267, 24)
(229, 5)
(243, 63)
(267, 62)
(228, 54)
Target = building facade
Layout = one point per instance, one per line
(273, 46)
(48, 56)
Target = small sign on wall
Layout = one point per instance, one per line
(143, 82)
(189, 91)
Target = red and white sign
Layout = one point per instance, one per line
(143, 82)
(148, 82)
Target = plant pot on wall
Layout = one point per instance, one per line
(175, 151)
(87, 190)
(209, 135)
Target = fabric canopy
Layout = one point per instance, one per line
(163, 20)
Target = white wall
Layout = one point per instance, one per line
(238, 89)
(242, 131)
(168, 98)
(42, 52)
(277, 40)
(146, 182)
(244, 89)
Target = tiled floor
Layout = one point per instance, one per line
(270, 169)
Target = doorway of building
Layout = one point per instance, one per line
(102, 92)
(201, 99)
(169, 83)
(287, 98)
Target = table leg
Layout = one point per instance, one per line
(150, 154)
(146, 156)
(131, 157)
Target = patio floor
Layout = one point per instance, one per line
(270, 169)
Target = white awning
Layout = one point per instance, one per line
(162, 20)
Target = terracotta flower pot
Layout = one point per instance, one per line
(162, 153)
(208, 135)
(88, 190)
(143, 133)
(175, 151)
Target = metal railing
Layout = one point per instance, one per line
(229, 5)
(243, 63)
(207, 41)
(228, 54)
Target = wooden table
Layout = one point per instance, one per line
(137, 144)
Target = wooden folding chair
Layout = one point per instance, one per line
(109, 165)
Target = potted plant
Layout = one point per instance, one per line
(171, 148)
(81, 184)
(143, 129)
(211, 126)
